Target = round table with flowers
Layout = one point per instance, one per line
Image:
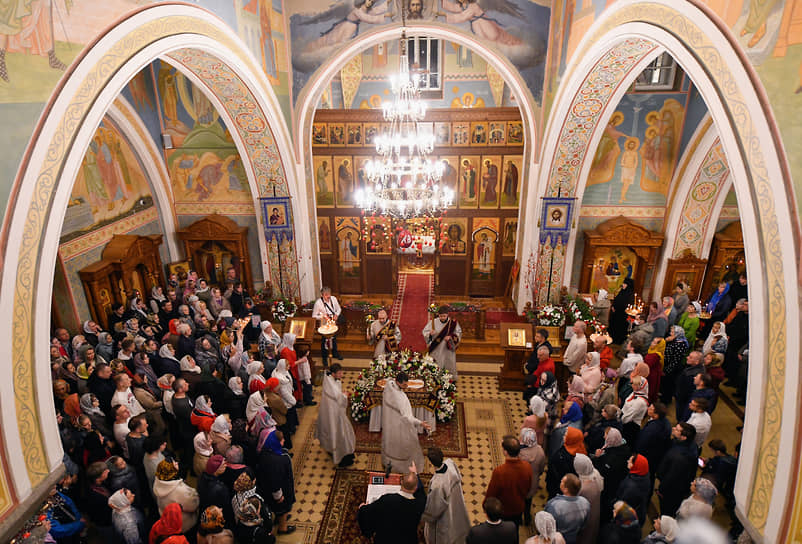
(432, 391)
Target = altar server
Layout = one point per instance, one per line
(334, 429)
(400, 445)
(442, 336)
(446, 518)
(384, 334)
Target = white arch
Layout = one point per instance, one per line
(310, 95)
(778, 226)
(239, 58)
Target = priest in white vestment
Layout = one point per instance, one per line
(384, 334)
(574, 355)
(442, 337)
(334, 429)
(400, 445)
(446, 517)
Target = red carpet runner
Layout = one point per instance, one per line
(409, 308)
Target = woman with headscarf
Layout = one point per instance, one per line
(532, 453)
(665, 531)
(169, 528)
(77, 341)
(202, 415)
(675, 352)
(212, 527)
(602, 307)
(239, 399)
(550, 394)
(700, 503)
(538, 419)
(619, 327)
(128, 521)
(90, 405)
(576, 391)
(625, 527)
(169, 489)
(203, 451)
(611, 462)
(636, 488)
(592, 486)
(105, 346)
(571, 417)
(713, 362)
(256, 380)
(220, 435)
(256, 402)
(263, 425)
(61, 390)
(546, 527)
(689, 321)
(657, 319)
(207, 354)
(167, 362)
(191, 372)
(143, 367)
(285, 389)
(253, 520)
(298, 363)
(720, 302)
(156, 298)
(717, 339)
(654, 359)
(276, 480)
(636, 404)
(67, 373)
(165, 384)
(591, 373)
(562, 461)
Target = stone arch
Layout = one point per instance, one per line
(738, 106)
(44, 181)
(312, 91)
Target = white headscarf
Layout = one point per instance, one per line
(602, 295)
(87, 328)
(202, 405)
(119, 502)
(281, 372)
(546, 525)
(537, 406)
(222, 426)
(255, 402)
(202, 444)
(165, 353)
(711, 338)
(586, 471)
(668, 527)
(528, 437)
(287, 341)
(187, 366)
(235, 386)
(594, 359)
(254, 367)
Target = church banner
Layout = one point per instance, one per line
(277, 217)
(556, 219)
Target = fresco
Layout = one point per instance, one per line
(518, 28)
(638, 151)
(111, 184)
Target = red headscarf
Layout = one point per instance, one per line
(168, 525)
(272, 383)
(640, 466)
(173, 325)
(574, 441)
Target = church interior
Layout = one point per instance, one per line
(581, 159)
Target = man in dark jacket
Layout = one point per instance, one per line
(685, 386)
(678, 469)
(655, 437)
(494, 530)
(394, 518)
(102, 386)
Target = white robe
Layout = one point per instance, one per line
(334, 430)
(446, 518)
(574, 354)
(400, 444)
(373, 331)
(444, 357)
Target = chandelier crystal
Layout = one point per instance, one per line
(401, 180)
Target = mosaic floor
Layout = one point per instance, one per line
(489, 415)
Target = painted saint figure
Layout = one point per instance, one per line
(629, 165)
(490, 178)
(511, 182)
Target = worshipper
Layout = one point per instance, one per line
(655, 438)
(601, 307)
(591, 485)
(135, 440)
(128, 521)
(97, 498)
(445, 517)
(400, 444)
(541, 340)
(657, 319)
(670, 311)
(631, 359)
(442, 337)
(269, 341)
(700, 503)
(682, 297)
(703, 389)
(170, 489)
(562, 462)
(239, 399)
(97, 447)
(256, 379)
(654, 360)
(546, 527)
(102, 386)
(636, 488)
(203, 416)
(394, 517)
(685, 379)
(334, 430)
(569, 510)
(121, 476)
(532, 453)
(67, 373)
(121, 415)
(234, 465)
(538, 419)
(207, 354)
(689, 321)
(717, 339)
(609, 418)
(677, 469)
(571, 417)
(169, 529)
(212, 490)
(738, 333)
(720, 469)
(154, 454)
(326, 309)
(574, 354)
(713, 368)
(675, 353)
(183, 408)
(720, 302)
(212, 528)
(275, 480)
(625, 527)
(700, 419)
(186, 341)
(203, 451)
(298, 363)
(634, 409)
(218, 303)
(90, 405)
(285, 389)
(543, 363)
(383, 334)
(591, 373)
(278, 409)
(495, 530)
(611, 462)
(511, 481)
(154, 408)
(619, 327)
(191, 372)
(576, 391)
(66, 521)
(220, 435)
(665, 531)
(61, 390)
(253, 520)
(601, 345)
(167, 363)
(105, 346)
(550, 394)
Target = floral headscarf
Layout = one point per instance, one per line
(166, 471)
(212, 519)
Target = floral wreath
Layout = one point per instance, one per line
(438, 380)
(283, 309)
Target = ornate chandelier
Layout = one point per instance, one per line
(402, 181)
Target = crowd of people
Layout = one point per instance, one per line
(177, 426)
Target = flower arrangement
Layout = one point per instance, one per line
(283, 309)
(454, 307)
(421, 366)
(550, 316)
